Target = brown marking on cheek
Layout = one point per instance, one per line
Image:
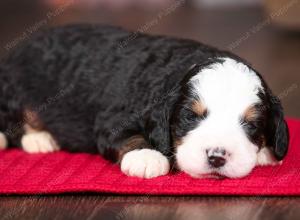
(176, 140)
(260, 142)
(251, 114)
(199, 108)
(132, 143)
(32, 121)
(177, 143)
(263, 142)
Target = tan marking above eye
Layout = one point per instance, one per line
(251, 114)
(199, 108)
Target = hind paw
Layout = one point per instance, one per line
(3, 141)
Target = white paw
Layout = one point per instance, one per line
(145, 163)
(39, 142)
(3, 141)
(265, 157)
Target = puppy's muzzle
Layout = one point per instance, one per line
(216, 157)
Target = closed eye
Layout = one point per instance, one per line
(196, 116)
(250, 125)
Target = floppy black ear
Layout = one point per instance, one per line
(276, 133)
(157, 119)
(157, 122)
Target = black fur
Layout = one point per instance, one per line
(273, 126)
(184, 119)
(276, 132)
(92, 92)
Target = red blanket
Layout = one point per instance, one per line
(61, 172)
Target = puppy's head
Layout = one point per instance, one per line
(224, 116)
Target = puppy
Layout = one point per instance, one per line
(146, 102)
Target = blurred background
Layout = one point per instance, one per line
(264, 32)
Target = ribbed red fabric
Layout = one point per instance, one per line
(62, 172)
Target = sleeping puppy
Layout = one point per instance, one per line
(146, 102)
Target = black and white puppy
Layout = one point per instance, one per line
(147, 102)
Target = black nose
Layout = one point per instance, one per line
(216, 161)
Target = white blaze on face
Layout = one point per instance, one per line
(226, 89)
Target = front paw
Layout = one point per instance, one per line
(39, 142)
(145, 163)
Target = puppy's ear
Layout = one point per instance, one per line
(276, 133)
(157, 122)
(157, 117)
